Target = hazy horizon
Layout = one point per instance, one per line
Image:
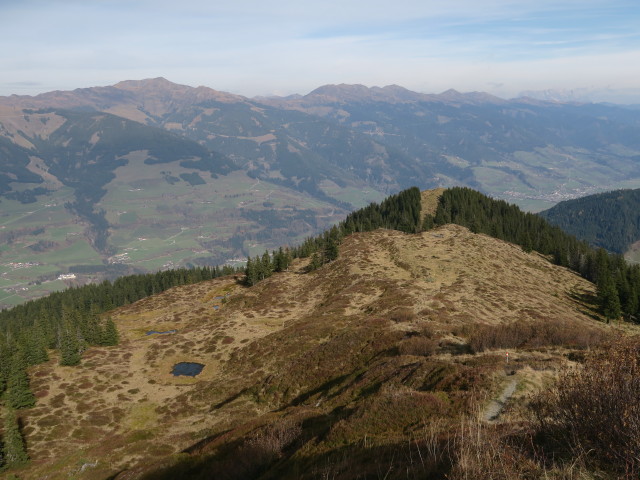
(590, 50)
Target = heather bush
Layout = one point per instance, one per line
(595, 410)
(403, 315)
(419, 346)
(534, 334)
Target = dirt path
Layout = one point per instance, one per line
(494, 408)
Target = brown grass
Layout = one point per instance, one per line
(342, 344)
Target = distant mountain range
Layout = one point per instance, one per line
(528, 151)
(386, 138)
(149, 174)
(586, 95)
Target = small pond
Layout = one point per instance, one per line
(188, 369)
(155, 332)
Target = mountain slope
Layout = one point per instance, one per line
(609, 220)
(319, 357)
(293, 148)
(302, 162)
(532, 153)
(93, 195)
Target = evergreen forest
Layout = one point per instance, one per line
(609, 220)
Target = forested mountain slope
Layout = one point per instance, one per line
(608, 220)
(525, 151)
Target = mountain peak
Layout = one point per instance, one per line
(159, 82)
(153, 87)
(341, 92)
(361, 93)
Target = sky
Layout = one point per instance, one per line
(582, 48)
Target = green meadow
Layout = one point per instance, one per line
(157, 220)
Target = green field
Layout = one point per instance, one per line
(156, 222)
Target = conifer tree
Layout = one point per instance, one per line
(69, 346)
(315, 262)
(331, 251)
(608, 298)
(19, 393)
(109, 333)
(5, 364)
(33, 346)
(14, 450)
(251, 272)
(266, 268)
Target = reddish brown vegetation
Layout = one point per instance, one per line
(595, 410)
(527, 334)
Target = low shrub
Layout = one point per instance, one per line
(419, 346)
(403, 315)
(595, 409)
(535, 334)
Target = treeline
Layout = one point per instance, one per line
(608, 220)
(72, 320)
(398, 212)
(618, 282)
(69, 321)
(618, 292)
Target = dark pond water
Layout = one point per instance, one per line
(155, 332)
(188, 369)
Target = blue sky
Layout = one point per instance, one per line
(282, 47)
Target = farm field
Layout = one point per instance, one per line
(159, 217)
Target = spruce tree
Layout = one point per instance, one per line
(331, 251)
(109, 333)
(34, 346)
(5, 364)
(69, 347)
(315, 262)
(19, 393)
(608, 298)
(251, 272)
(15, 453)
(266, 268)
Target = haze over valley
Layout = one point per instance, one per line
(147, 175)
